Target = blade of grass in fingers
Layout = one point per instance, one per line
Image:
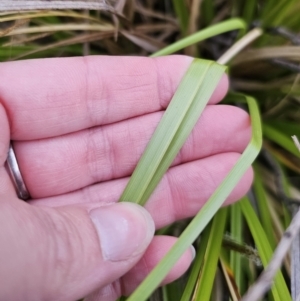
(178, 121)
(208, 210)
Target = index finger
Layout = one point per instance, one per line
(50, 97)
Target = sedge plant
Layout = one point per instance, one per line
(258, 42)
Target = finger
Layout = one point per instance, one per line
(158, 248)
(4, 135)
(6, 186)
(182, 192)
(69, 251)
(67, 163)
(77, 93)
(155, 252)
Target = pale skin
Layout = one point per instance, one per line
(79, 127)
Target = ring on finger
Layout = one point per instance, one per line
(16, 175)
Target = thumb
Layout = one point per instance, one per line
(68, 252)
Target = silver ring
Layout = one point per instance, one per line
(16, 176)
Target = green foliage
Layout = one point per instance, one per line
(210, 261)
(182, 14)
(279, 290)
(204, 34)
(199, 222)
(265, 69)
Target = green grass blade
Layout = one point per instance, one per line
(208, 210)
(267, 8)
(209, 267)
(172, 290)
(281, 139)
(178, 121)
(288, 128)
(232, 24)
(165, 296)
(236, 232)
(198, 262)
(249, 10)
(279, 289)
(182, 14)
(278, 12)
(208, 11)
(263, 206)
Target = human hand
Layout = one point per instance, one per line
(79, 127)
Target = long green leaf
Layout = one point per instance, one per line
(278, 12)
(267, 7)
(198, 262)
(249, 10)
(263, 206)
(232, 24)
(208, 210)
(208, 270)
(280, 138)
(208, 11)
(279, 290)
(287, 128)
(182, 14)
(178, 121)
(236, 232)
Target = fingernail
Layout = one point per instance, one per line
(193, 251)
(124, 230)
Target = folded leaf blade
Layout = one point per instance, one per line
(178, 121)
(208, 210)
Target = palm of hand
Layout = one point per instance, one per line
(79, 127)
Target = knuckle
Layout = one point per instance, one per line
(100, 154)
(93, 89)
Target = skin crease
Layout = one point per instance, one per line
(79, 127)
